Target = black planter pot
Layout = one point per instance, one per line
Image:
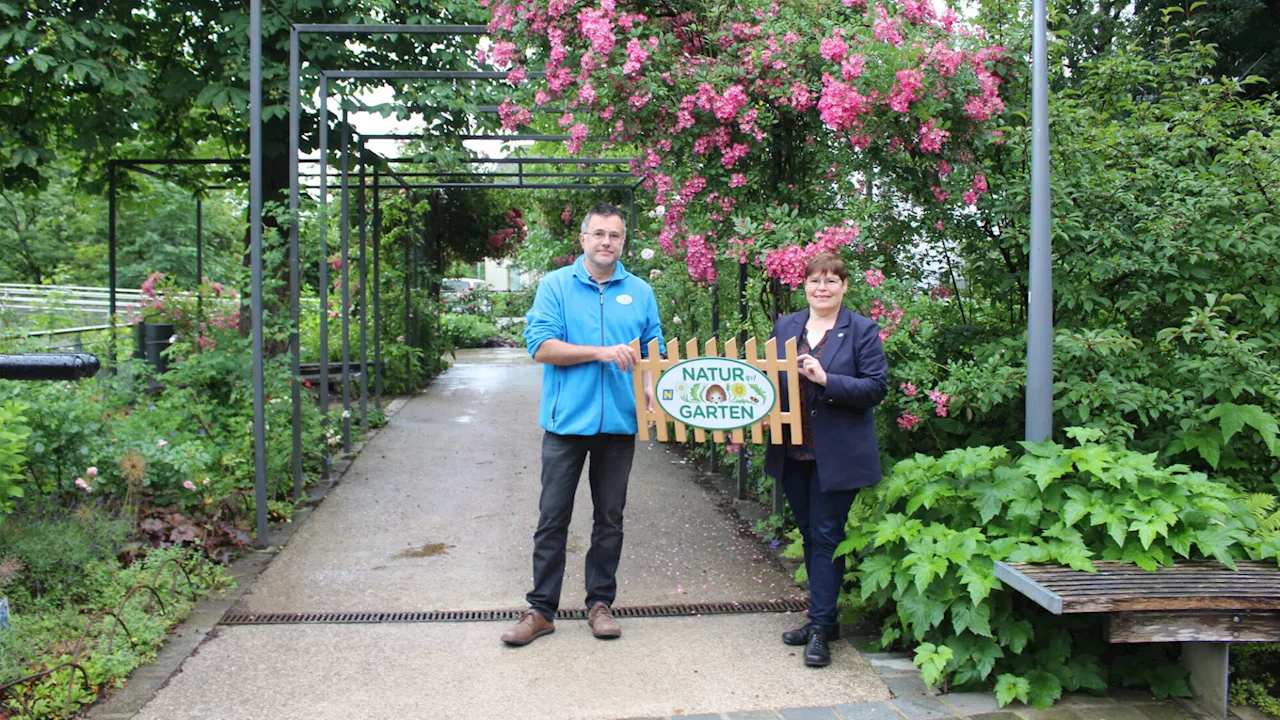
(153, 340)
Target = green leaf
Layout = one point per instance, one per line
(1148, 530)
(896, 526)
(1046, 469)
(920, 614)
(1010, 687)
(1075, 508)
(1042, 448)
(1091, 458)
(927, 495)
(875, 573)
(988, 501)
(979, 581)
(1015, 635)
(1084, 435)
(1084, 671)
(1232, 418)
(974, 618)
(1133, 553)
(925, 569)
(1045, 688)
(1216, 542)
(932, 661)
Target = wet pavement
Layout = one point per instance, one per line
(437, 513)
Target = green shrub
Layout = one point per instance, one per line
(58, 552)
(926, 559)
(466, 331)
(76, 630)
(13, 449)
(514, 303)
(1255, 676)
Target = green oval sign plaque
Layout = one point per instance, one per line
(715, 393)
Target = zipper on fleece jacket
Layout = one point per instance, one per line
(602, 393)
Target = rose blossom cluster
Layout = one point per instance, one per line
(700, 103)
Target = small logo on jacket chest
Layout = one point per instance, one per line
(625, 299)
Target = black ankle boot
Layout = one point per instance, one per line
(816, 652)
(800, 635)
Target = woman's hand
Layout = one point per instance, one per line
(812, 369)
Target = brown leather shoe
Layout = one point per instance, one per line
(531, 627)
(603, 626)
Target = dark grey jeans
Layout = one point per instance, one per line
(562, 459)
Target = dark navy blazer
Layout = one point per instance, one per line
(844, 429)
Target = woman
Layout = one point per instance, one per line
(842, 379)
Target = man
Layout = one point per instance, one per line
(580, 326)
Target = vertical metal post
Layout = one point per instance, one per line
(255, 263)
(742, 349)
(199, 263)
(344, 256)
(777, 499)
(295, 263)
(715, 330)
(324, 242)
(421, 270)
(631, 218)
(1040, 287)
(364, 296)
(199, 241)
(410, 270)
(111, 264)
(377, 290)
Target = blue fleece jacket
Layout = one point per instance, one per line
(592, 397)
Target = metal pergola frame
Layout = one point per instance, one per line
(379, 168)
(142, 166)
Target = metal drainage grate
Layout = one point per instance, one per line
(639, 611)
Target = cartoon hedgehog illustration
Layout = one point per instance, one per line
(716, 394)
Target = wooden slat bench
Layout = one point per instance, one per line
(311, 373)
(1205, 606)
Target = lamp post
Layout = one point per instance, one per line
(1039, 420)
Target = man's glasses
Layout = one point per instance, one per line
(601, 235)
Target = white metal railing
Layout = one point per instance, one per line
(17, 297)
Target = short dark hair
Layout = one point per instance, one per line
(602, 209)
(826, 264)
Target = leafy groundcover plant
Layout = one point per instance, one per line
(924, 554)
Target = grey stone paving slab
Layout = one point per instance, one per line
(1030, 713)
(994, 716)
(1082, 700)
(1163, 711)
(754, 715)
(1110, 712)
(906, 685)
(809, 713)
(868, 711)
(920, 708)
(971, 703)
(892, 663)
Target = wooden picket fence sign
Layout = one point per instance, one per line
(770, 365)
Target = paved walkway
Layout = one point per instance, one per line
(437, 512)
